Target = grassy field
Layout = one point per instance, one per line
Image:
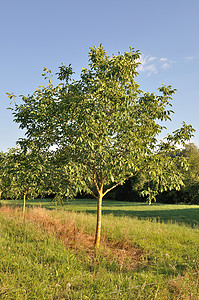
(185, 214)
(147, 252)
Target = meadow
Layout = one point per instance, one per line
(146, 252)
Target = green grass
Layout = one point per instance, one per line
(33, 265)
(36, 265)
(185, 214)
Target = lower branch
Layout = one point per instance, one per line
(110, 189)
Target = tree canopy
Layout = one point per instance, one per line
(5, 176)
(104, 127)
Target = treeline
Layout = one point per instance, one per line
(42, 174)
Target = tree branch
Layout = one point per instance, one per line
(94, 180)
(115, 185)
(121, 182)
(91, 192)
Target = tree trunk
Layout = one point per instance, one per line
(1, 194)
(99, 216)
(24, 204)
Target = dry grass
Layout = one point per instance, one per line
(123, 252)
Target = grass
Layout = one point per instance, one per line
(185, 214)
(147, 252)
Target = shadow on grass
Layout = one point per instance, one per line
(182, 216)
(185, 214)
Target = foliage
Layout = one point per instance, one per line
(57, 180)
(5, 176)
(104, 126)
(191, 152)
(189, 193)
(26, 172)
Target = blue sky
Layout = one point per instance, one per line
(42, 33)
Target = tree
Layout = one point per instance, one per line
(104, 126)
(26, 170)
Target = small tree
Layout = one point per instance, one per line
(104, 126)
(27, 173)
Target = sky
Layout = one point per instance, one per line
(40, 33)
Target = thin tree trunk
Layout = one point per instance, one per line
(1, 194)
(99, 219)
(24, 204)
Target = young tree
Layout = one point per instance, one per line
(26, 171)
(104, 126)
